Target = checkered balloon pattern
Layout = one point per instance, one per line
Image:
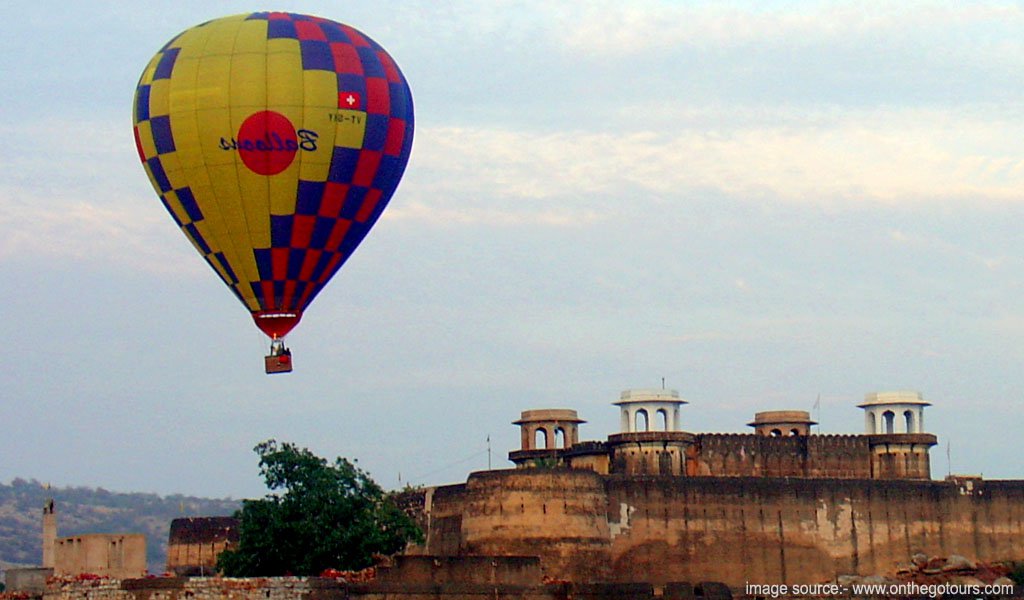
(274, 140)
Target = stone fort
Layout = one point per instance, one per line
(652, 508)
(781, 504)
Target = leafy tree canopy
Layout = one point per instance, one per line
(319, 516)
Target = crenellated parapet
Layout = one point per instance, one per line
(650, 442)
(649, 452)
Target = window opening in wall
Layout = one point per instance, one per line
(641, 420)
(776, 433)
(794, 432)
(909, 417)
(540, 439)
(662, 420)
(560, 438)
(890, 421)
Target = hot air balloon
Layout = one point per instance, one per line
(274, 140)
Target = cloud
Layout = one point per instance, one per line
(941, 247)
(529, 66)
(910, 157)
(619, 30)
(554, 217)
(81, 195)
(74, 230)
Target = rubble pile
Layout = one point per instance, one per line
(362, 576)
(929, 570)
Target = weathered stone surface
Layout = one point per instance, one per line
(195, 543)
(589, 527)
(119, 555)
(956, 562)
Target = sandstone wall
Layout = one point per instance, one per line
(802, 530)
(295, 588)
(30, 580)
(194, 543)
(587, 527)
(746, 455)
(106, 555)
(558, 514)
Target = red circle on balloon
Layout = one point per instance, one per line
(267, 142)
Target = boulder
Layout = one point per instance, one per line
(964, 580)
(934, 566)
(955, 562)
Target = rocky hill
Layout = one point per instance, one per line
(93, 510)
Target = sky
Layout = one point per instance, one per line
(763, 203)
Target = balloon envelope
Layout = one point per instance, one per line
(274, 140)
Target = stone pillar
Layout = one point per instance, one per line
(661, 408)
(49, 533)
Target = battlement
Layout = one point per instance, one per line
(650, 442)
(651, 437)
(661, 528)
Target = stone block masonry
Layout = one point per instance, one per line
(423, 584)
(588, 527)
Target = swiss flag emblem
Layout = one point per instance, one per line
(350, 100)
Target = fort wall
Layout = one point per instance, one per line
(194, 543)
(750, 455)
(413, 578)
(558, 514)
(878, 456)
(589, 527)
(29, 580)
(106, 555)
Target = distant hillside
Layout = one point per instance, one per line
(93, 510)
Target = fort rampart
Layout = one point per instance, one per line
(412, 578)
(591, 527)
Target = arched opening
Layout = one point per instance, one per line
(641, 420)
(890, 421)
(560, 438)
(540, 439)
(662, 419)
(776, 433)
(908, 417)
(794, 432)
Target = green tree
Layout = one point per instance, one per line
(328, 516)
(1017, 573)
